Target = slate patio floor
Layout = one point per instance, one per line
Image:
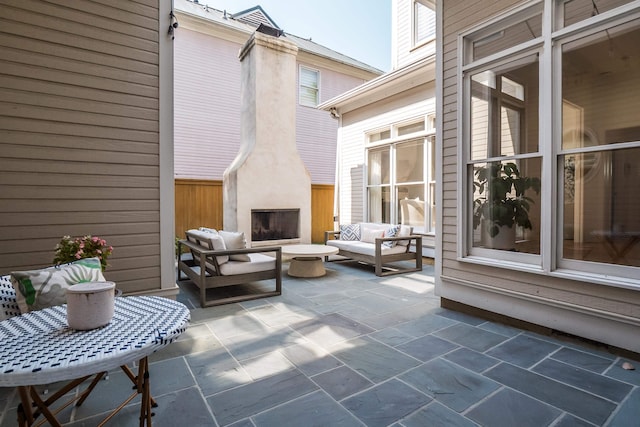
(353, 349)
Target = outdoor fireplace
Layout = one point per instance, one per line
(267, 188)
(274, 224)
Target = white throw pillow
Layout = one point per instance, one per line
(209, 240)
(235, 240)
(369, 235)
(405, 230)
(208, 230)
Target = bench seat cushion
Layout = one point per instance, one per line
(259, 262)
(365, 248)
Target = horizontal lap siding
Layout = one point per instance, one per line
(207, 105)
(458, 17)
(79, 144)
(316, 130)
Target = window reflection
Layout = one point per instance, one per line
(500, 109)
(506, 205)
(579, 10)
(600, 209)
(601, 221)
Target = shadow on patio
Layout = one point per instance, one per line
(353, 349)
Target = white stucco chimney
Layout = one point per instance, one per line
(268, 173)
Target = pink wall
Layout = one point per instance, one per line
(207, 111)
(207, 105)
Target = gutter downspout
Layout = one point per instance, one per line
(336, 186)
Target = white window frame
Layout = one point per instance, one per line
(301, 85)
(428, 137)
(414, 22)
(549, 48)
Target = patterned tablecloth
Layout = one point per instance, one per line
(40, 348)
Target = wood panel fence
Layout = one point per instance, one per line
(199, 203)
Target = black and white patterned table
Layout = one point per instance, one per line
(40, 348)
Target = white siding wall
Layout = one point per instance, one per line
(207, 111)
(80, 133)
(598, 312)
(417, 102)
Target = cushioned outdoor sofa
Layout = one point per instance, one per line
(220, 259)
(379, 245)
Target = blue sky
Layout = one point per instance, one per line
(360, 29)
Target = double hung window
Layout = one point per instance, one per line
(551, 137)
(309, 87)
(424, 22)
(400, 175)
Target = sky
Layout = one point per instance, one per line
(360, 29)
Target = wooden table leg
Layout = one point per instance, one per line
(145, 403)
(25, 414)
(44, 409)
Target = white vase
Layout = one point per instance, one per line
(504, 240)
(90, 305)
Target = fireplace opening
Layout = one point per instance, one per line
(274, 224)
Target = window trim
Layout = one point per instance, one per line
(300, 85)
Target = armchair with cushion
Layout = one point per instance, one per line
(220, 259)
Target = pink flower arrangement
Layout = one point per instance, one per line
(72, 249)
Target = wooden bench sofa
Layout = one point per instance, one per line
(376, 244)
(209, 264)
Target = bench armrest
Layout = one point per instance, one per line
(331, 233)
(412, 237)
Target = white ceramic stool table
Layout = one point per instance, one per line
(307, 259)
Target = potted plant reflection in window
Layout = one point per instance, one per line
(501, 203)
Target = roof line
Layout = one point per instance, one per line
(376, 83)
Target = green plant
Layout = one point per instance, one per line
(177, 241)
(72, 249)
(502, 200)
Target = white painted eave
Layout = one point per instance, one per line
(415, 74)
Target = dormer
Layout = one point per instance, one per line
(413, 31)
(255, 16)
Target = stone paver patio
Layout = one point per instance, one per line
(353, 349)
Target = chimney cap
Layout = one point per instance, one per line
(270, 31)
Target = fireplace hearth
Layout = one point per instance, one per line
(274, 224)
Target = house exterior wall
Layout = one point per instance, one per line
(82, 147)
(207, 104)
(417, 102)
(316, 131)
(560, 301)
(207, 111)
(405, 51)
